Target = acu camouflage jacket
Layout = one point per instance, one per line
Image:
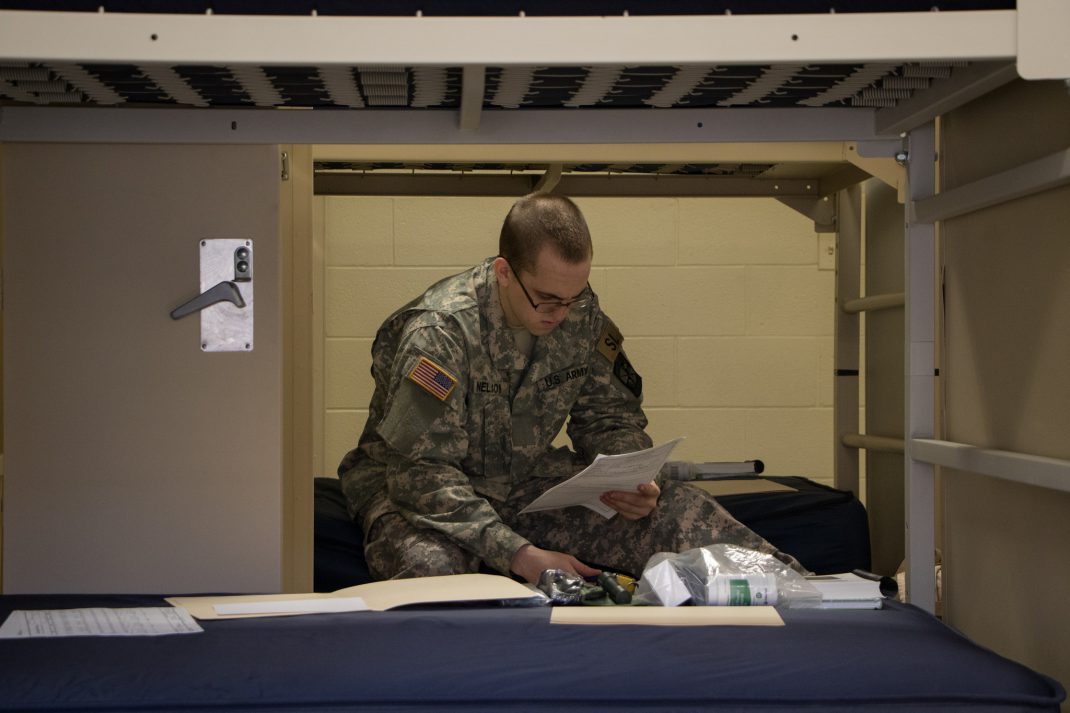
(446, 435)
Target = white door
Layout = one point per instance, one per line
(134, 460)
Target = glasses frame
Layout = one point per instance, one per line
(579, 302)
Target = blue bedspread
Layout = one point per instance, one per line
(513, 659)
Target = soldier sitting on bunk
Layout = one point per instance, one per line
(473, 381)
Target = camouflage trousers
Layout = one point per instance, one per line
(685, 517)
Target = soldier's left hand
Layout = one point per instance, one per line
(633, 505)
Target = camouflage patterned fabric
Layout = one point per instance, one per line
(451, 451)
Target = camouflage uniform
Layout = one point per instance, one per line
(452, 451)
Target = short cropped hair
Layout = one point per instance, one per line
(541, 220)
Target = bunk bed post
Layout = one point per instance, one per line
(919, 342)
(845, 345)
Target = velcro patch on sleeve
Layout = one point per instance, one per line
(609, 341)
(433, 379)
(622, 369)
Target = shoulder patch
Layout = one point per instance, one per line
(432, 378)
(623, 370)
(609, 341)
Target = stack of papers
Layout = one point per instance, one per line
(620, 472)
(847, 591)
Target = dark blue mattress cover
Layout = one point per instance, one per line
(825, 528)
(513, 659)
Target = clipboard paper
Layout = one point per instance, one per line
(620, 472)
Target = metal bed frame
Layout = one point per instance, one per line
(830, 147)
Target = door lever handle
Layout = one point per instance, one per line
(225, 291)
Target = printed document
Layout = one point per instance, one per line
(620, 472)
(98, 621)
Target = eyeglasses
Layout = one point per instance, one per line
(579, 302)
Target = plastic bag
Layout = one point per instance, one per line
(723, 574)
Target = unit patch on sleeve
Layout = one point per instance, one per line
(433, 378)
(609, 341)
(622, 369)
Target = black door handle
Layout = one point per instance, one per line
(225, 291)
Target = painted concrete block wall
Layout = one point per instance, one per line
(723, 308)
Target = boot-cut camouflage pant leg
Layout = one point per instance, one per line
(395, 549)
(685, 517)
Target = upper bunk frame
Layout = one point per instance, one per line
(988, 48)
(988, 42)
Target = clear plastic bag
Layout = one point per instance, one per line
(723, 574)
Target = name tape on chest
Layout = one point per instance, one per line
(433, 379)
(489, 387)
(552, 381)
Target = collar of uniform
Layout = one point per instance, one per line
(496, 333)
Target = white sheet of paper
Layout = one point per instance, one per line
(619, 472)
(290, 606)
(98, 621)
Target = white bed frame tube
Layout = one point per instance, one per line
(391, 127)
(846, 341)
(874, 443)
(919, 343)
(1052, 473)
(1051, 171)
(875, 302)
(491, 41)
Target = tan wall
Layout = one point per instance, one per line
(724, 311)
(1006, 383)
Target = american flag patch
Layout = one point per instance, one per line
(432, 378)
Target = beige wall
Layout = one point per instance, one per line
(1006, 383)
(724, 311)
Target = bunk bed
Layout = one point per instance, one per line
(833, 96)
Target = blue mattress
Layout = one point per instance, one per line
(513, 659)
(825, 528)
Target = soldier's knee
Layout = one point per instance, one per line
(425, 567)
(426, 555)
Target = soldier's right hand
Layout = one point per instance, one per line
(530, 561)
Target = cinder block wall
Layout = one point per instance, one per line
(722, 305)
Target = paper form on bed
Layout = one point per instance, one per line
(97, 621)
(668, 616)
(621, 472)
(374, 596)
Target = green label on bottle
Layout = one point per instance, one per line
(739, 592)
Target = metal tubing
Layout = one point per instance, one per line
(919, 406)
(1051, 171)
(874, 443)
(846, 337)
(874, 302)
(1052, 473)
